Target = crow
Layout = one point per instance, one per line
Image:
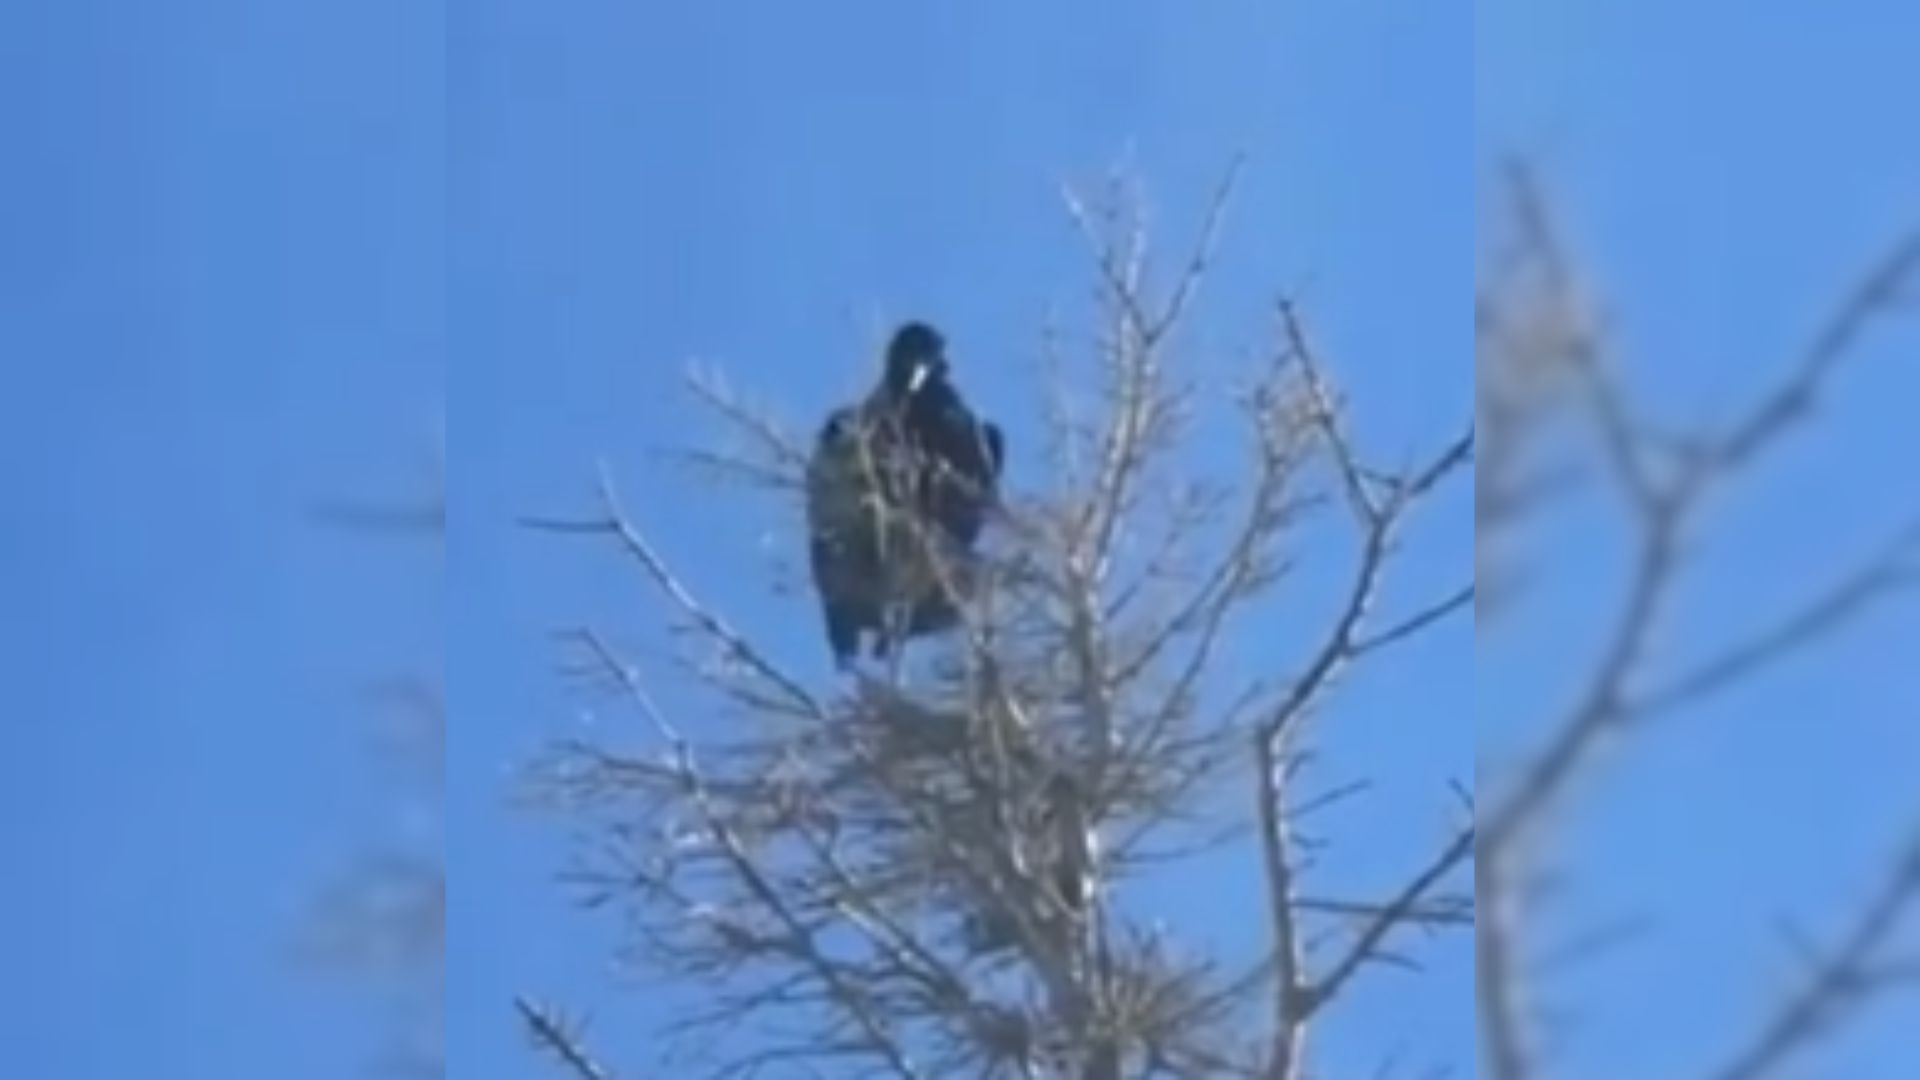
(897, 493)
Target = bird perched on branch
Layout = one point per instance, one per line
(898, 490)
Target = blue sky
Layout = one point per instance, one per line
(223, 277)
(254, 251)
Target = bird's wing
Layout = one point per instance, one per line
(996, 445)
(956, 438)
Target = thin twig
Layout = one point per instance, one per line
(549, 1032)
(1840, 982)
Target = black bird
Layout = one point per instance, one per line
(897, 492)
(959, 457)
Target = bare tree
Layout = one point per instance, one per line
(1555, 400)
(921, 872)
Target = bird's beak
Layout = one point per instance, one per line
(921, 373)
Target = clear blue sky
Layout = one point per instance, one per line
(221, 300)
(1730, 169)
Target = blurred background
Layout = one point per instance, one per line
(1722, 185)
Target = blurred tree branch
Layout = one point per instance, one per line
(1544, 366)
(384, 915)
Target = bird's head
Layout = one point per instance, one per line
(915, 358)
